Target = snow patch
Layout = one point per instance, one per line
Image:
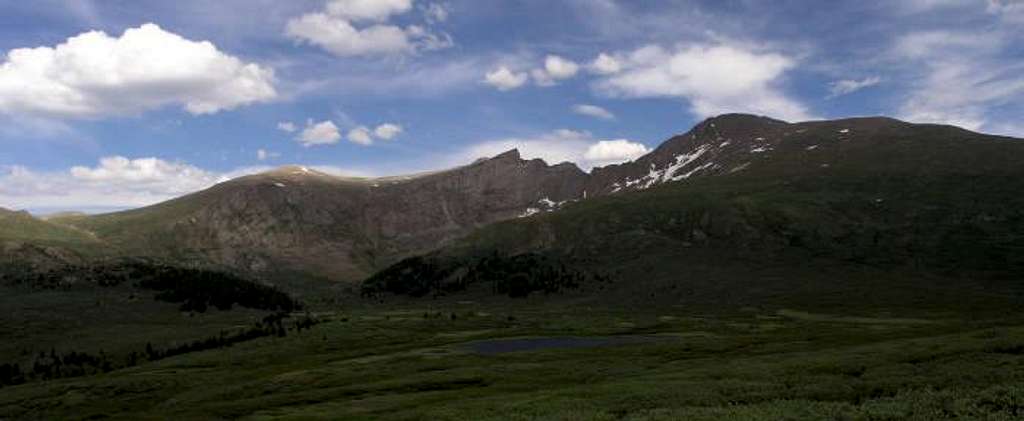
(739, 168)
(812, 147)
(529, 212)
(844, 131)
(760, 149)
(705, 166)
(548, 202)
(280, 185)
(724, 144)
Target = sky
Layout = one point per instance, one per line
(113, 104)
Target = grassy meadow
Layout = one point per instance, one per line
(420, 359)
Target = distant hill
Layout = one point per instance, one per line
(765, 209)
(28, 241)
(23, 227)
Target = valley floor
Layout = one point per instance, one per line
(463, 360)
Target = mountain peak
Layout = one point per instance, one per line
(741, 120)
(296, 170)
(511, 154)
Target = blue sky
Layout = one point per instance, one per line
(109, 104)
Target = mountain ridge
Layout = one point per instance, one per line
(339, 227)
(297, 219)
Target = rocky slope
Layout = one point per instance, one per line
(299, 220)
(765, 211)
(738, 143)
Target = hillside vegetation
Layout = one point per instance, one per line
(900, 212)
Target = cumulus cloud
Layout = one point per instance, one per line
(335, 29)
(605, 64)
(116, 182)
(608, 152)
(363, 135)
(593, 111)
(504, 79)
(714, 79)
(849, 86)
(555, 69)
(287, 127)
(94, 75)
(387, 131)
(360, 135)
(563, 145)
(322, 133)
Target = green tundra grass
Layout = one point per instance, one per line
(418, 360)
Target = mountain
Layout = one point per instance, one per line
(297, 220)
(737, 143)
(26, 240)
(765, 210)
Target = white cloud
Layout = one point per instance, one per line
(322, 133)
(555, 69)
(435, 12)
(334, 29)
(115, 182)
(95, 75)
(558, 146)
(560, 68)
(374, 10)
(387, 131)
(263, 154)
(1010, 10)
(341, 38)
(593, 111)
(427, 40)
(616, 151)
(958, 77)
(714, 79)
(363, 135)
(605, 64)
(848, 86)
(287, 127)
(504, 79)
(360, 135)
(929, 44)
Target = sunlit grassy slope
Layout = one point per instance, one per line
(21, 226)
